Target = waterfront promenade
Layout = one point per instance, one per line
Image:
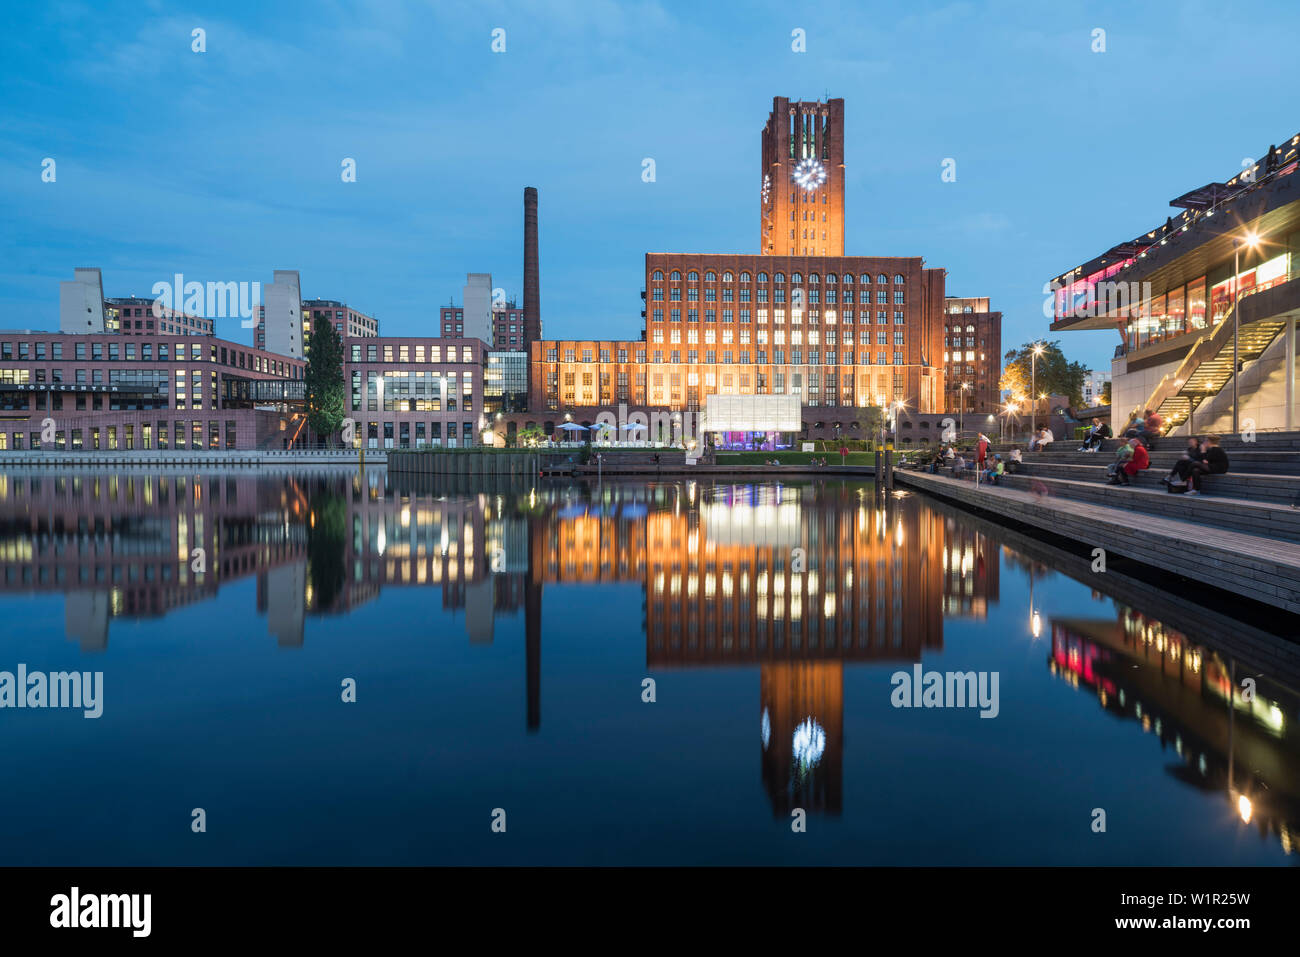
(1254, 566)
(1243, 538)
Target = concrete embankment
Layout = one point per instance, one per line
(484, 462)
(58, 459)
(667, 464)
(1262, 569)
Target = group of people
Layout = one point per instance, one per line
(1041, 439)
(1202, 457)
(990, 469)
(1146, 426)
(1130, 459)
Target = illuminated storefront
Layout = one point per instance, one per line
(753, 421)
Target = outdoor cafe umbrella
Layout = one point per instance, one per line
(573, 427)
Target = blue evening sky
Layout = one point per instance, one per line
(225, 165)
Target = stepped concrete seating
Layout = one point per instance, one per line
(1260, 495)
(1261, 462)
(1263, 568)
(1255, 517)
(1263, 442)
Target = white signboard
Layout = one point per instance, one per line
(753, 413)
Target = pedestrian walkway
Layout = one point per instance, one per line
(1260, 567)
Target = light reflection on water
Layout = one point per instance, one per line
(501, 636)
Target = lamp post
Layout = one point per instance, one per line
(961, 415)
(1033, 392)
(1252, 240)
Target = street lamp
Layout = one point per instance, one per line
(961, 415)
(1251, 239)
(1033, 369)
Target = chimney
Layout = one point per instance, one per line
(532, 285)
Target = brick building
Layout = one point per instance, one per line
(802, 186)
(106, 391)
(135, 316)
(506, 327)
(501, 322)
(972, 356)
(838, 331)
(348, 322)
(799, 318)
(404, 392)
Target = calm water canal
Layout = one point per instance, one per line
(500, 640)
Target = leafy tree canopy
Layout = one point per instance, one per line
(326, 390)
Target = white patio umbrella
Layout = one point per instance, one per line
(573, 427)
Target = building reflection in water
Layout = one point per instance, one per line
(797, 580)
(1191, 699)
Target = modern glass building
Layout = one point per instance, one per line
(1205, 305)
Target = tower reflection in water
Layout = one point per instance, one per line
(799, 580)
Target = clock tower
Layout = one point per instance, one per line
(801, 183)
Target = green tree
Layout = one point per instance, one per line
(1050, 373)
(1105, 394)
(869, 418)
(531, 436)
(326, 390)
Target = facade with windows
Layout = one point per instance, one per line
(505, 382)
(835, 331)
(408, 392)
(972, 356)
(135, 316)
(1094, 389)
(347, 322)
(509, 333)
(110, 392)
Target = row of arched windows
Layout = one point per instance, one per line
(813, 278)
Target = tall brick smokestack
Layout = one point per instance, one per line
(532, 281)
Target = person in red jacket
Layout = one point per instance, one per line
(981, 451)
(1137, 463)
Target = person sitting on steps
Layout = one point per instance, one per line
(1099, 432)
(1174, 481)
(1137, 461)
(995, 471)
(1042, 440)
(1212, 461)
(1154, 422)
(1122, 456)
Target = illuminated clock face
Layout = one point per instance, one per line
(767, 186)
(809, 174)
